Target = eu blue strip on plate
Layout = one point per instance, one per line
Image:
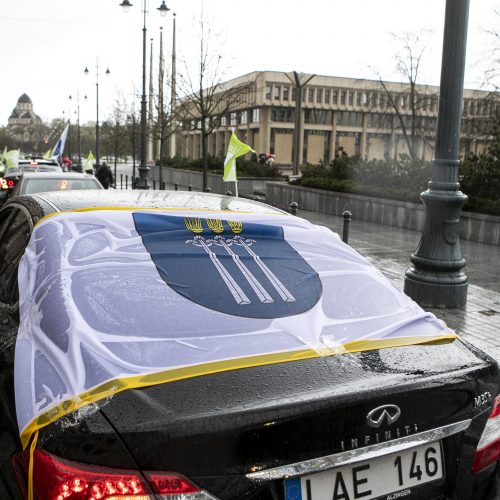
(293, 490)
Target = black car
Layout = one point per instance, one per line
(369, 418)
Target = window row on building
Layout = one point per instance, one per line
(425, 101)
(341, 97)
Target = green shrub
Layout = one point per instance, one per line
(244, 168)
(404, 179)
(480, 177)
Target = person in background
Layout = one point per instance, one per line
(66, 164)
(105, 176)
(270, 160)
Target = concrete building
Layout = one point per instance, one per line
(360, 117)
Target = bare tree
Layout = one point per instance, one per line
(415, 97)
(113, 131)
(162, 130)
(204, 99)
(492, 80)
(133, 133)
(163, 123)
(492, 73)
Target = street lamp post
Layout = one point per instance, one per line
(69, 128)
(86, 71)
(436, 278)
(143, 167)
(79, 137)
(70, 97)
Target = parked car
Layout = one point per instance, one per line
(192, 346)
(17, 183)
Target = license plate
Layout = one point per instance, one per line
(371, 478)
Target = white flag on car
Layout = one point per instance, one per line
(118, 299)
(59, 147)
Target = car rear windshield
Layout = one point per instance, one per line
(41, 185)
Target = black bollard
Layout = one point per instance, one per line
(228, 193)
(347, 221)
(190, 187)
(163, 186)
(126, 182)
(154, 183)
(207, 190)
(121, 181)
(293, 207)
(176, 186)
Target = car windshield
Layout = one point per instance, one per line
(41, 185)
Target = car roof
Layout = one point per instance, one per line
(56, 175)
(29, 168)
(40, 161)
(73, 200)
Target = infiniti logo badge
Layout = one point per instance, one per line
(376, 417)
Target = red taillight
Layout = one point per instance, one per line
(7, 183)
(170, 484)
(58, 479)
(488, 449)
(55, 478)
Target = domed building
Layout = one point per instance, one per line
(23, 124)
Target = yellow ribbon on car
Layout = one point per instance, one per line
(116, 386)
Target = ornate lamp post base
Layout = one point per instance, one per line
(438, 293)
(436, 278)
(143, 180)
(436, 289)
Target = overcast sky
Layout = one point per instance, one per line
(46, 45)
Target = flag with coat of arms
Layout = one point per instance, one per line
(213, 291)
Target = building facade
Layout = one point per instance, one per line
(359, 117)
(23, 124)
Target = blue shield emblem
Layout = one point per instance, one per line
(238, 268)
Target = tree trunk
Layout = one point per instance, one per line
(204, 140)
(413, 104)
(162, 141)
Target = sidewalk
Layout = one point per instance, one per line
(389, 249)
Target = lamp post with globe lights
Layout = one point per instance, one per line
(79, 138)
(143, 166)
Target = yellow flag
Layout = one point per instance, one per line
(12, 158)
(236, 149)
(48, 154)
(88, 165)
